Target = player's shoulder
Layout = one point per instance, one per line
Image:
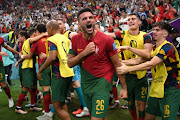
(168, 46)
(77, 36)
(103, 36)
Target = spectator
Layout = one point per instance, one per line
(8, 61)
(123, 21)
(144, 25)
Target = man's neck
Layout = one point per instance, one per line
(56, 32)
(159, 42)
(134, 32)
(89, 36)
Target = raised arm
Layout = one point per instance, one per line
(10, 49)
(111, 35)
(34, 39)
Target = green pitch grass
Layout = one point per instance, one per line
(7, 113)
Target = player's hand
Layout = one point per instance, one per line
(45, 34)
(42, 56)
(16, 64)
(123, 69)
(90, 48)
(123, 94)
(72, 34)
(4, 53)
(39, 76)
(122, 48)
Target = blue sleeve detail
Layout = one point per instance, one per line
(114, 46)
(52, 46)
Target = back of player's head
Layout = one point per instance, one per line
(41, 28)
(84, 10)
(134, 14)
(174, 30)
(32, 31)
(24, 34)
(163, 25)
(54, 24)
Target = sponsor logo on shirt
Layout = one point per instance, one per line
(79, 49)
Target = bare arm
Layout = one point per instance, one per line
(111, 34)
(15, 46)
(49, 61)
(74, 60)
(145, 53)
(28, 56)
(134, 61)
(117, 63)
(34, 39)
(10, 49)
(144, 66)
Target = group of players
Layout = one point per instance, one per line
(97, 55)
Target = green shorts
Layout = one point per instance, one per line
(97, 103)
(29, 78)
(2, 72)
(46, 76)
(60, 88)
(166, 107)
(20, 69)
(137, 88)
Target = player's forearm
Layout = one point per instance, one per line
(111, 34)
(143, 66)
(134, 61)
(121, 77)
(46, 64)
(140, 52)
(28, 56)
(11, 49)
(75, 60)
(20, 60)
(34, 39)
(122, 80)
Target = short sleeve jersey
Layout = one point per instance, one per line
(40, 47)
(1, 43)
(167, 53)
(96, 66)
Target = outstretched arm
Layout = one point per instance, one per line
(10, 49)
(34, 39)
(28, 56)
(134, 61)
(144, 66)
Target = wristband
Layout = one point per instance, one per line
(22, 56)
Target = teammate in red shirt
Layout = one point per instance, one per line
(2, 71)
